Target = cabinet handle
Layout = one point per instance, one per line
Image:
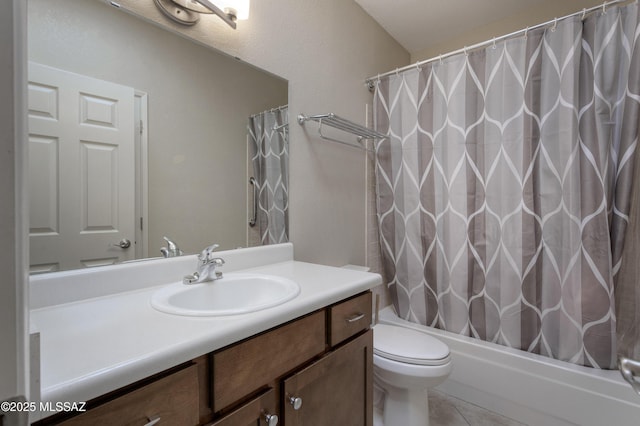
(152, 421)
(355, 317)
(295, 401)
(270, 419)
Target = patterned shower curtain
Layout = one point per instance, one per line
(269, 147)
(503, 189)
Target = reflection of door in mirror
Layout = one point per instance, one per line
(81, 146)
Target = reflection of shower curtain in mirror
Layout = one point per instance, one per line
(269, 144)
(504, 189)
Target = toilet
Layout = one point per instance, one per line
(406, 363)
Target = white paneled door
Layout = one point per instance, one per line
(81, 170)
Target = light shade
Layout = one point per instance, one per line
(240, 6)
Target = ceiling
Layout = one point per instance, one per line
(418, 24)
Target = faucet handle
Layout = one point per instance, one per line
(206, 253)
(171, 250)
(212, 247)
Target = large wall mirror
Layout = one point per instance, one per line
(136, 133)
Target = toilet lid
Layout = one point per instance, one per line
(407, 345)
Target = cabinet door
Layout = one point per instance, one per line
(335, 390)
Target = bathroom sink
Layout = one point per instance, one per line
(235, 293)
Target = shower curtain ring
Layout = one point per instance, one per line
(465, 51)
(494, 43)
(526, 33)
(555, 24)
(584, 14)
(418, 66)
(440, 56)
(604, 8)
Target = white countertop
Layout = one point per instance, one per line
(92, 346)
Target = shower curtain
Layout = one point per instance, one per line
(269, 148)
(504, 186)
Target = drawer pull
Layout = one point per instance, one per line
(295, 401)
(355, 317)
(152, 421)
(270, 419)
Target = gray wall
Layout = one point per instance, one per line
(199, 104)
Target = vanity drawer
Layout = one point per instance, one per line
(246, 367)
(348, 318)
(173, 399)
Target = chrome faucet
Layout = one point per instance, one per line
(207, 265)
(171, 250)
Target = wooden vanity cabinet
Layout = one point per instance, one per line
(323, 360)
(322, 365)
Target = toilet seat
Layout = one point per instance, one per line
(408, 346)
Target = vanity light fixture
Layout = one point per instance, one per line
(238, 8)
(187, 12)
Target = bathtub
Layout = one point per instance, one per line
(530, 388)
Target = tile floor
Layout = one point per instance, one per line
(445, 410)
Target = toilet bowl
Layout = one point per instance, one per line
(406, 363)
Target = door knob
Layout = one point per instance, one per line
(123, 244)
(295, 401)
(270, 419)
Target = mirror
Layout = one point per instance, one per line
(184, 108)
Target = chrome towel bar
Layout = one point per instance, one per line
(332, 120)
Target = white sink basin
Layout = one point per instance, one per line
(235, 293)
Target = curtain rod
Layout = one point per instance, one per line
(271, 110)
(371, 80)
